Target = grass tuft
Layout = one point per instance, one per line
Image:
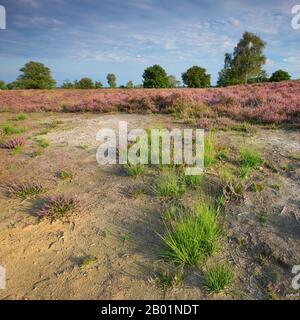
(24, 190)
(134, 170)
(21, 116)
(42, 142)
(86, 261)
(59, 207)
(166, 279)
(295, 156)
(9, 130)
(192, 236)
(193, 181)
(251, 158)
(218, 277)
(209, 150)
(65, 175)
(169, 185)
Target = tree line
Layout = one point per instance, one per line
(243, 66)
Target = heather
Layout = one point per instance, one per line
(259, 103)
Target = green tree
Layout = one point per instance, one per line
(155, 77)
(173, 82)
(226, 74)
(2, 85)
(112, 80)
(35, 75)
(98, 85)
(84, 83)
(248, 57)
(196, 77)
(129, 85)
(280, 75)
(67, 85)
(245, 64)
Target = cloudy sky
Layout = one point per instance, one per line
(78, 38)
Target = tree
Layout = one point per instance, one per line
(280, 75)
(261, 77)
(226, 74)
(196, 77)
(173, 82)
(155, 77)
(248, 57)
(67, 85)
(245, 64)
(111, 80)
(2, 85)
(35, 76)
(98, 85)
(129, 85)
(84, 83)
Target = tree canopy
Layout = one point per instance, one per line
(2, 85)
(155, 77)
(35, 75)
(280, 75)
(112, 80)
(196, 77)
(245, 64)
(84, 83)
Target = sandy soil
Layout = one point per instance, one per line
(43, 259)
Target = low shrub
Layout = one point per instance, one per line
(59, 207)
(13, 143)
(24, 190)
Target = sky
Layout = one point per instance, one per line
(90, 38)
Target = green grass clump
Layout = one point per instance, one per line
(65, 175)
(244, 127)
(170, 185)
(218, 277)
(243, 171)
(21, 116)
(263, 218)
(166, 279)
(83, 146)
(134, 170)
(251, 158)
(209, 150)
(42, 142)
(192, 236)
(193, 181)
(295, 156)
(257, 187)
(36, 153)
(86, 261)
(9, 130)
(24, 190)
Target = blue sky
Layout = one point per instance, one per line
(77, 38)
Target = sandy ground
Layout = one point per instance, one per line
(43, 259)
